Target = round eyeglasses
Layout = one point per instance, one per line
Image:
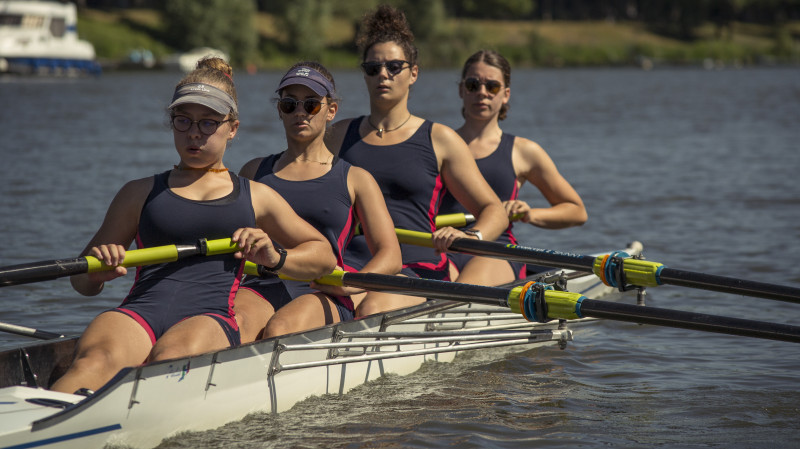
(206, 126)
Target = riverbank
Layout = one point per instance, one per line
(120, 35)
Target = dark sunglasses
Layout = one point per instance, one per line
(206, 126)
(311, 105)
(474, 85)
(394, 67)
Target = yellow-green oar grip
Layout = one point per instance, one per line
(250, 268)
(414, 238)
(454, 220)
(221, 246)
(138, 257)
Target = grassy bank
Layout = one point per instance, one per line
(550, 44)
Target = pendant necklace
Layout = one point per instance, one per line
(382, 130)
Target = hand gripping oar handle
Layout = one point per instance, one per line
(539, 302)
(616, 269)
(53, 269)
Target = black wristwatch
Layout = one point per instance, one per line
(473, 232)
(279, 265)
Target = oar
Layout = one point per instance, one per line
(537, 303)
(617, 269)
(52, 269)
(29, 332)
(458, 220)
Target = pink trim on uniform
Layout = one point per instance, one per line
(232, 296)
(136, 317)
(436, 199)
(345, 237)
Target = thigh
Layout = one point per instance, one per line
(117, 337)
(486, 271)
(309, 311)
(194, 335)
(252, 314)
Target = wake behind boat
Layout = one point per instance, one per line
(41, 38)
(142, 405)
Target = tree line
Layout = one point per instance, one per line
(229, 24)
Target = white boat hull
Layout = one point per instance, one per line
(145, 404)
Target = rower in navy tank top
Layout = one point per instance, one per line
(409, 178)
(204, 284)
(324, 202)
(498, 170)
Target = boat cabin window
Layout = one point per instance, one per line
(58, 27)
(30, 21)
(10, 19)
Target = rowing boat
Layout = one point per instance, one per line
(142, 405)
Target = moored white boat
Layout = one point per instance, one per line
(142, 405)
(40, 37)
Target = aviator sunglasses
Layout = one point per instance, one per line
(394, 67)
(474, 85)
(311, 105)
(181, 123)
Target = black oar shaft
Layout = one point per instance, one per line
(729, 285)
(428, 288)
(42, 271)
(587, 307)
(525, 255)
(689, 320)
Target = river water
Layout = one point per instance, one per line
(698, 165)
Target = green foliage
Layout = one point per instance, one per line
(303, 22)
(117, 40)
(498, 9)
(224, 24)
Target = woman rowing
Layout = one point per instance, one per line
(506, 162)
(327, 192)
(186, 307)
(412, 159)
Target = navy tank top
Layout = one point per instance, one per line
(324, 202)
(196, 285)
(498, 170)
(409, 178)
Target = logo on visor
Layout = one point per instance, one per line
(303, 71)
(200, 88)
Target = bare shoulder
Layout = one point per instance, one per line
(360, 178)
(447, 143)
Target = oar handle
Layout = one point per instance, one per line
(53, 269)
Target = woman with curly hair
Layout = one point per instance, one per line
(413, 159)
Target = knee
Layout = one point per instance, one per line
(277, 326)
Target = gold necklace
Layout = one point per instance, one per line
(212, 170)
(382, 130)
(318, 162)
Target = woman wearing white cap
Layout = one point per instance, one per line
(186, 307)
(330, 194)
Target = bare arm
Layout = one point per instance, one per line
(114, 236)
(532, 163)
(308, 253)
(465, 182)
